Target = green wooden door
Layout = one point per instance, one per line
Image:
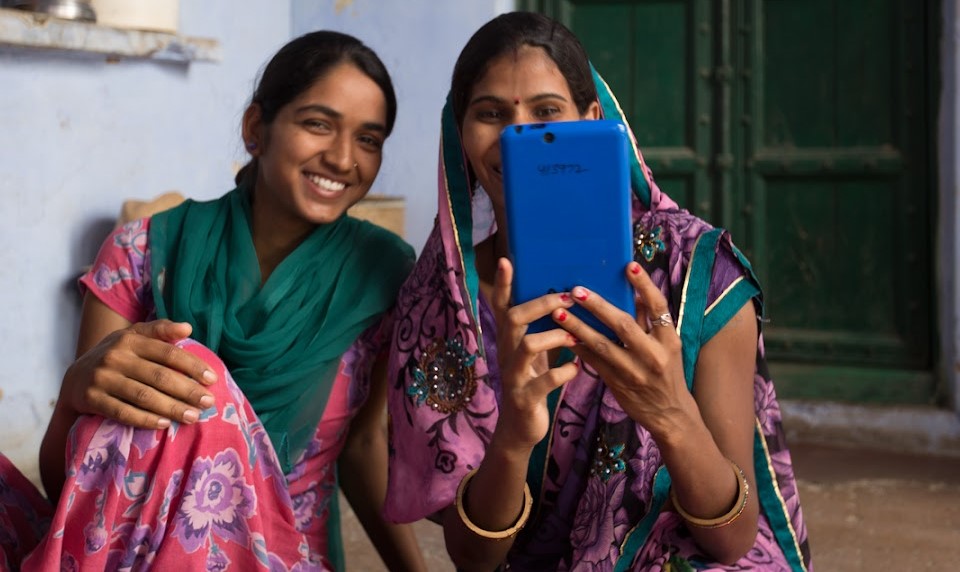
(803, 126)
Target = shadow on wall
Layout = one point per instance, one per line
(69, 304)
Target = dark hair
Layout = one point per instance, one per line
(303, 61)
(508, 33)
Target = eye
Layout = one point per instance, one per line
(317, 125)
(488, 115)
(548, 113)
(370, 142)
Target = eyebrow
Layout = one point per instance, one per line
(500, 100)
(334, 114)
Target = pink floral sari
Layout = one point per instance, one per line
(206, 496)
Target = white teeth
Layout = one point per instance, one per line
(326, 184)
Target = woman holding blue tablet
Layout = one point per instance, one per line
(559, 449)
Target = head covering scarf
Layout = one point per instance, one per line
(282, 341)
(602, 509)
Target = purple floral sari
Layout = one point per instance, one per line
(598, 478)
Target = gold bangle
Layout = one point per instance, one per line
(493, 534)
(743, 493)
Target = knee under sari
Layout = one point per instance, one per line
(232, 491)
(597, 478)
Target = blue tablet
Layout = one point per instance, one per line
(567, 194)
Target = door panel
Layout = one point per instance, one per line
(835, 183)
(656, 58)
(802, 126)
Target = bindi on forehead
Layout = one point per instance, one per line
(516, 101)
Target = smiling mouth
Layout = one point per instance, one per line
(325, 184)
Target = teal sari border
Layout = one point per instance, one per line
(611, 110)
(458, 193)
(771, 503)
(694, 301)
(752, 275)
(725, 308)
(637, 537)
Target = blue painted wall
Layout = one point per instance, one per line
(79, 135)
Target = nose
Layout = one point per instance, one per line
(339, 156)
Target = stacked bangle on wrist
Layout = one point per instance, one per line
(743, 493)
(492, 534)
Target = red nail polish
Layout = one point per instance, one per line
(635, 269)
(582, 296)
(562, 316)
(565, 297)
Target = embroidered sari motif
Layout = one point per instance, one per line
(581, 522)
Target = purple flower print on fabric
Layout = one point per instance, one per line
(133, 237)
(217, 500)
(600, 518)
(104, 460)
(217, 561)
(766, 404)
(68, 563)
(105, 278)
(141, 544)
(96, 537)
(303, 508)
(145, 439)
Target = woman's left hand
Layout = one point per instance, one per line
(645, 374)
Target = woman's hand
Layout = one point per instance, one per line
(137, 376)
(133, 373)
(645, 374)
(525, 374)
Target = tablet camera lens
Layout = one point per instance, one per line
(548, 137)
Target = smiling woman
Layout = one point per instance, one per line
(223, 448)
(557, 450)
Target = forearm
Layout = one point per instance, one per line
(705, 485)
(364, 483)
(53, 450)
(492, 501)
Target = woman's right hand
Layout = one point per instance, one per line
(525, 374)
(134, 374)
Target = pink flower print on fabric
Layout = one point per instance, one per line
(217, 500)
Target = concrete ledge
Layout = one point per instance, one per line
(29, 30)
(909, 429)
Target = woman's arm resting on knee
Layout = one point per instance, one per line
(363, 469)
(131, 373)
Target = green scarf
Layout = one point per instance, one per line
(281, 342)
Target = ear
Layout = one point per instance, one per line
(252, 129)
(592, 112)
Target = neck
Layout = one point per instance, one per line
(275, 236)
